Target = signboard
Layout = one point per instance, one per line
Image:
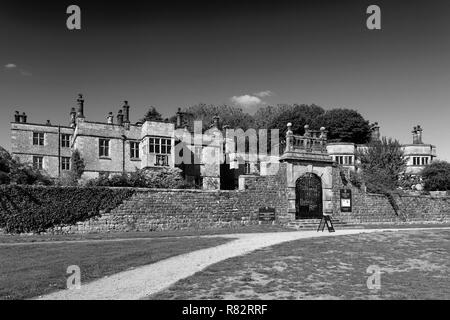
(346, 200)
(266, 214)
(326, 221)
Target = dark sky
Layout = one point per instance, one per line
(172, 54)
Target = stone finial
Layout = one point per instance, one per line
(110, 118)
(48, 123)
(216, 119)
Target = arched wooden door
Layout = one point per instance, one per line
(308, 192)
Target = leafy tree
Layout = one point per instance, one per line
(436, 176)
(151, 115)
(14, 172)
(232, 116)
(77, 164)
(344, 125)
(382, 163)
(278, 117)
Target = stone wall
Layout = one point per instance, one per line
(368, 208)
(158, 209)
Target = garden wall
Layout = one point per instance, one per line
(162, 209)
(368, 208)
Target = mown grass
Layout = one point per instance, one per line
(29, 270)
(12, 238)
(413, 264)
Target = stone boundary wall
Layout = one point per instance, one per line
(162, 209)
(369, 208)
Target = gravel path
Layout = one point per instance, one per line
(147, 280)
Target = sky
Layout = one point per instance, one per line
(247, 53)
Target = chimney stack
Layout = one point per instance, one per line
(126, 115)
(415, 136)
(48, 123)
(80, 103)
(110, 118)
(24, 117)
(16, 116)
(419, 134)
(375, 129)
(216, 121)
(73, 117)
(120, 118)
(179, 118)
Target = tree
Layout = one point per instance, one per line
(436, 176)
(278, 117)
(232, 116)
(382, 163)
(151, 115)
(77, 164)
(344, 125)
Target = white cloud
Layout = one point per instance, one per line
(10, 66)
(246, 101)
(263, 94)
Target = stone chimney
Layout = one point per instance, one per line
(375, 131)
(126, 115)
(48, 123)
(24, 117)
(416, 135)
(110, 118)
(80, 103)
(419, 134)
(179, 118)
(73, 117)
(120, 118)
(16, 116)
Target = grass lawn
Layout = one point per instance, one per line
(414, 265)
(10, 238)
(30, 270)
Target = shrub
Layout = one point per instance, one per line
(168, 178)
(436, 176)
(37, 208)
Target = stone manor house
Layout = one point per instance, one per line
(116, 146)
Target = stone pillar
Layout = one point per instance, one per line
(289, 138)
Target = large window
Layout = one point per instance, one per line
(38, 138)
(424, 161)
(65, 140)
(416, 161)
(103, 148)
(134, 150)
(344, 160)
(160, 145)
(38, 162)
(162, 160)
(65, 163)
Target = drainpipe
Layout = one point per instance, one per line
(123, 153)
(59, 150)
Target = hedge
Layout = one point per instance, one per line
(38, 208)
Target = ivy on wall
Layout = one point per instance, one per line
(37, 208)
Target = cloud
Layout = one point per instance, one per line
(10, 66)
(246, 101)
(263, 94)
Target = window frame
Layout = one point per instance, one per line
(39, 162)
(162, 146)
(38, 138)
(134, 150)
(103, 148)
(65, 163)
(64, 141)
